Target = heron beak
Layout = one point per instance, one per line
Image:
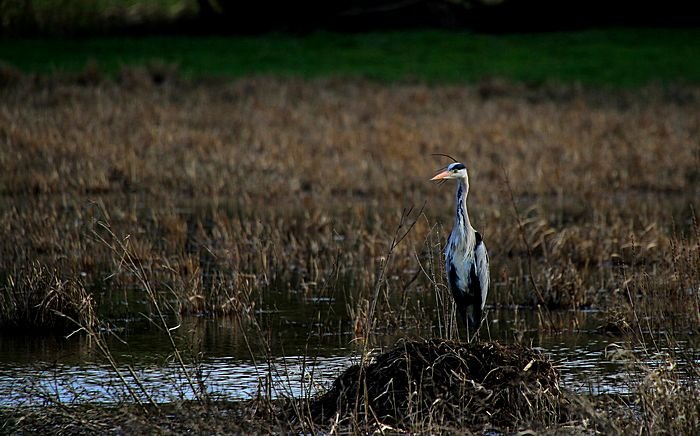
(443, 175)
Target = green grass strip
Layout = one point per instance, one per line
(618, 57)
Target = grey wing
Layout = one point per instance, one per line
(481, 259)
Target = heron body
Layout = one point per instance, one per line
(466, 258)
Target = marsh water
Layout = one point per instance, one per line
(291, 358)
(298, 346)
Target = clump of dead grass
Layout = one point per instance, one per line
(444, 384)
(668, 397)
(39, 299)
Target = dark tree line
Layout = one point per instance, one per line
(86, 17)
(479, 15)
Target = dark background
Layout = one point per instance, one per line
(482, 16)
(233, 17)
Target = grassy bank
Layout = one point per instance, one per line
(617, 57)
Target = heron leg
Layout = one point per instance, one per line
(472, 322)
(464, 321)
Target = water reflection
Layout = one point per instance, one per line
(234, 362)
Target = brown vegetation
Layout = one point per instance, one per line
(198, 198)
(37, 299)
(156, 194)
(442, 384)
(221, 190)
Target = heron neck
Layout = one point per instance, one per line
(462, 217)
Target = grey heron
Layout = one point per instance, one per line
(466, 258)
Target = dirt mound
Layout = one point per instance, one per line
(446, 383)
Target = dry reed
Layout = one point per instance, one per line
(231, 188)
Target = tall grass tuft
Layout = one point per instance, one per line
(38, 299)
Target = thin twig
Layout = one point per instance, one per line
(136, 267)
(369, 320)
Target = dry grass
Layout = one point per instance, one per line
(227, 189)
(183, 197)
(438, 384)
(36, 299)
(177, 418)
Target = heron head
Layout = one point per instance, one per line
(453, 171)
